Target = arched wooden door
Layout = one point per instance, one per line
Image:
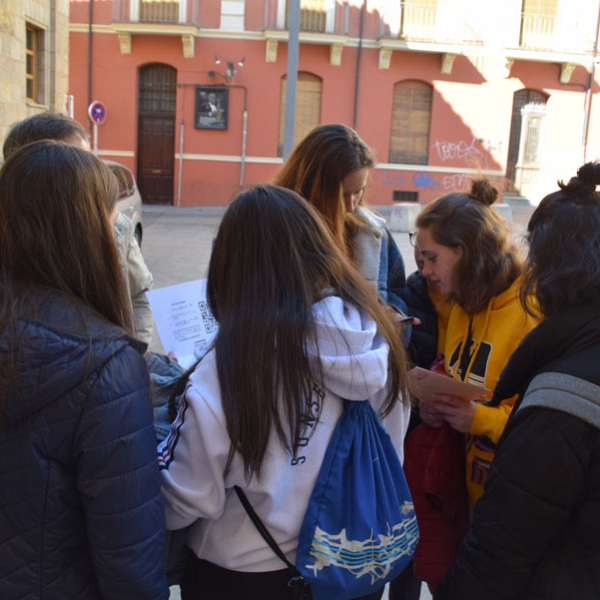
(156, 133)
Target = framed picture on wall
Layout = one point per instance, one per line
(212, 107)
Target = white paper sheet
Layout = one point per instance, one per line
(184, 322)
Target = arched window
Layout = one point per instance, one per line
(308, 107)
(524, 148)
(411, 122)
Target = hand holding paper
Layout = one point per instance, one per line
(444, 398)
(183, 320)
(425, 383)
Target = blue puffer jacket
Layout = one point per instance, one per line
(81, 513)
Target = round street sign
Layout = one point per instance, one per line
(97, 112)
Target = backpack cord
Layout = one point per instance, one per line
(260, 526)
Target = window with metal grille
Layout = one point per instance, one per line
(313, 15)
(157, 89)
(538, 23)
(401, 196)
(159, 11)
(34, 64)
(411, 120)
(308, 107)
(418, 19)
(525, 147)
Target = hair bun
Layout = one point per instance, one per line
(483, 191)
(589, 174)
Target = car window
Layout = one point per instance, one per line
(123, 189)
(128, 180)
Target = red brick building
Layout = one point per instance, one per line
(441, 90)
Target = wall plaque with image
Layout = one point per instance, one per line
(212, 107)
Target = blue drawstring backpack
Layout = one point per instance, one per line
(360, 529)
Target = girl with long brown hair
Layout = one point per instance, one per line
(330, 168)
(299, 332)
(80, 508)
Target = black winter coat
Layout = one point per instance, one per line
(535, 532)
(81, 513)
(422, 346)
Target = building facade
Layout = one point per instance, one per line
(34, 55)
(442, 90)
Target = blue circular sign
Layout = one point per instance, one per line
(97, 112)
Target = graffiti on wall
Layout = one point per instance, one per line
(424, 181)
(390, 178)
(446, 150)
(455, 182)
(458, 150)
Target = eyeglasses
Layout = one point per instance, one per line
(412, 238)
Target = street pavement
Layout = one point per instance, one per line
(177, 242)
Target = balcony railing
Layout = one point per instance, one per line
(419, 22)
(537, 31)
(548, 33)
(162, 12)
(316, 16)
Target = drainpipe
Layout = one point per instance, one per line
(89, 65)
(244, 131)
(180, 169)
(358, 61)
(292, 76)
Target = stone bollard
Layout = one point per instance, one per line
(504, 210)
(403, 216)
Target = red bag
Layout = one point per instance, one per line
(434, 466)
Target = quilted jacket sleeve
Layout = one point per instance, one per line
(535, 481)
(392, 277)
(118, 480)
(140, 281)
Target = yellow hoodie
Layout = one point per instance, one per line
(494, 334)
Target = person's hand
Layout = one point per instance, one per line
(172, 356)
(430, 415)
(399, 317)
(458, 413)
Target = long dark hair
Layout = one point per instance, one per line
(272, 257)
(563, 264)
(55, 233)
(316, 168)
(490, 262)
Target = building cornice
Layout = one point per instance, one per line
(567, 61)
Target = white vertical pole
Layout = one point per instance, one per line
(95, 138)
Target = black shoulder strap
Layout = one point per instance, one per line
(260, 526)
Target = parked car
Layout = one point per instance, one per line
(130, 201)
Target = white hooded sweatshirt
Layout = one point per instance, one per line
(354, 360)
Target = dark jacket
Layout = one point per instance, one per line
(81, 513)
(535, 532)
(424, 337)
